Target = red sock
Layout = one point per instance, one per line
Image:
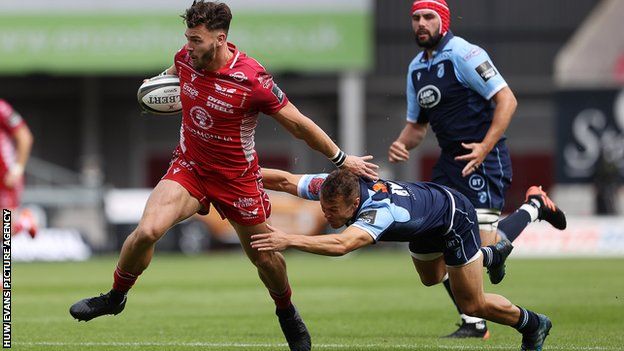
(282, 301)
(123, 280)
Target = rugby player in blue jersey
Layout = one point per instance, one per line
(453, 86)
(439, 223)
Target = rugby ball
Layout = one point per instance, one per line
(160, 95)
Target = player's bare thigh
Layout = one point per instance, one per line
(168, 204)
(431, 272)
(467, 284)
(245, 232)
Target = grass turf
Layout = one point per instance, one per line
(367, 301)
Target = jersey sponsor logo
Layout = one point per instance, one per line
(368, 216)
(265, 80)
(201, 117)
(314, 188)
(440, 70)
(247, 207)
(219, 105)
(429, 96)
(476, 182)
(482, 195)
(224, 90)
(239, 76)
(205, 136)
(379, 186)
(486, 71)
(279, 94)
(474, 52)
(189, 90)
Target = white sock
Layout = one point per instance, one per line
(471, 320)
(531, 209)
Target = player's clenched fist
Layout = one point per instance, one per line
(398, 152)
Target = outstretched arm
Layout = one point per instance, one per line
(304, 128)
(340, 244)
(278, 180)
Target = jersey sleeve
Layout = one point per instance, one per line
(10, 120)
(374, 220)
(476, 71)
(309, 186)
(267, 96)
(413, 109)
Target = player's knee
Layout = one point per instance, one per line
(264, 261)
(148, 233)
(431, 280)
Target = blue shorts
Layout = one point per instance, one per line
(460, 244)
(486, 187)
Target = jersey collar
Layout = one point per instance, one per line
(232, 61)
(441, 45)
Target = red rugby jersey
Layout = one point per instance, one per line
(9, 122)
(220, 112)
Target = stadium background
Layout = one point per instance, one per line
(343, 64)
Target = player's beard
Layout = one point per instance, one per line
(431, 42)
(207, 58)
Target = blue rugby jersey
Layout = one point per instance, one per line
(452, 91)
(392, 210)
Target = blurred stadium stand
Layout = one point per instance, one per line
(90, 135)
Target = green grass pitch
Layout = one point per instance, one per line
(367, 301)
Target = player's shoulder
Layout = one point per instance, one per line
(461, 49)
(246, 68)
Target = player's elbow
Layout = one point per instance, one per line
(298, 129)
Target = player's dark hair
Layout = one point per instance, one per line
(214, 15)
(341, 183)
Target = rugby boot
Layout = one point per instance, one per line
(548, 211)
(87, 309)
(535, 341)
(294, 329)
(497, 272)
(470, 330)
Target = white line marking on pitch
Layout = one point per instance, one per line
(321, 346)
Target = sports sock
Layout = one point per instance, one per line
(528, 322)
(282, 301)
(123, 280)
(491, 256)
(515, 223)
(447, 286)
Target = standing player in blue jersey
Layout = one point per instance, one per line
(454, 86)
(439, 223)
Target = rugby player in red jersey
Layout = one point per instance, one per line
(15, 144)
(222, 91)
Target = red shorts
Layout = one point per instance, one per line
(242, 200)
(11, 197)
